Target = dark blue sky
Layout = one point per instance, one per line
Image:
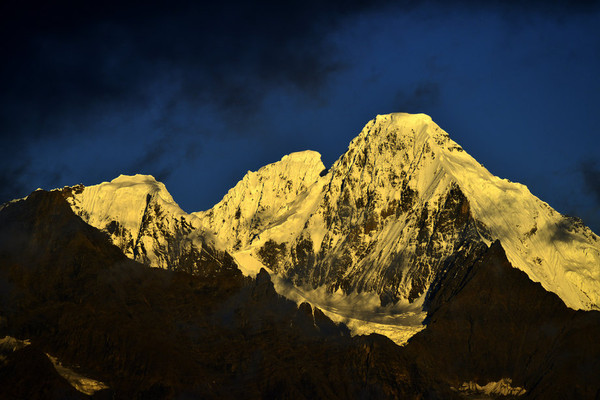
(197, 95)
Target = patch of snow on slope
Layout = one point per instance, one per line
(502, 388)
(79, 382)
(361, 312)
(139, 215)
(83, 384)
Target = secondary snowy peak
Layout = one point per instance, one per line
(143, 220)
(124, 198)
(119, 206)
(261, 197)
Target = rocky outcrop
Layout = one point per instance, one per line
(429, 236)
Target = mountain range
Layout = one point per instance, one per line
(405, 270)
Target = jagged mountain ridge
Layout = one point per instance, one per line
(385, 218)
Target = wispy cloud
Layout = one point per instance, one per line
(590, 172)
(418, 99)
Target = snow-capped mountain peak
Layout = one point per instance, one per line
(142, 219)
(389, 212)
(557, 251)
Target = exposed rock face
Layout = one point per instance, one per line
(367, 256)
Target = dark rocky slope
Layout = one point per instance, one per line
(488, 321)
(151, 333)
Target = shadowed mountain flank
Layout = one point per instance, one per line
(488, 322)
(151, 333)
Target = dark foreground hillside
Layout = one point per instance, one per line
(149, 333)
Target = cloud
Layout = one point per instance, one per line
(70, 57)
(11, 185)
(590, 172)
(74, 59)
(561, 232)
(520, 10)
(74, 69)
(70, 66)
(70, 62)
(422, 97)
(16, 176)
